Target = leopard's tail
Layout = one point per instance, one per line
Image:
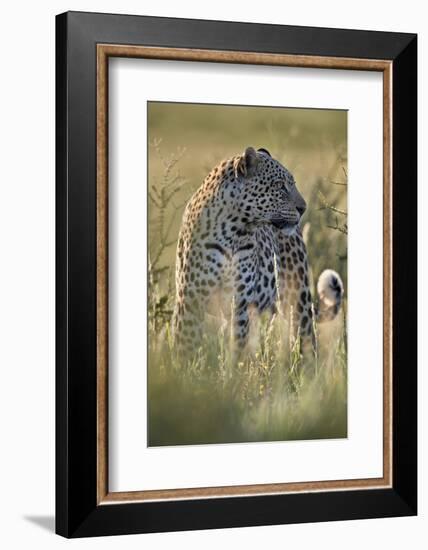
(330, 296)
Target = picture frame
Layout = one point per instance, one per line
(84, 44)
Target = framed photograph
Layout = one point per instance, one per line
(236, 274)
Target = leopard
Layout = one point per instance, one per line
(241, 239)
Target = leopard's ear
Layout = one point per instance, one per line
(246, 164)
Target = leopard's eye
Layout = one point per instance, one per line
(285, 188)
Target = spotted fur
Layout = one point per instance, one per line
(240, 240)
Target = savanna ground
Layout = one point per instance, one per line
(273, 393)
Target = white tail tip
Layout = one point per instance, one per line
(330, 288)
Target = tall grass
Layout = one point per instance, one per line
(272, 393)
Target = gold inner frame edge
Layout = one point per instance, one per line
(104, 51)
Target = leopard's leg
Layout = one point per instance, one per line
(195, 291)
(244, 273)
(240, 323)
(187, 327)
(191, 296)
(294, 291)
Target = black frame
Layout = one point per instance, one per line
(77, 513)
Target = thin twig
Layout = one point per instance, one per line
(329, 206)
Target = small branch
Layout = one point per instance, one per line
(342, 258)
(154, 201)
(343, 229)
(333, 209)
(329, 206)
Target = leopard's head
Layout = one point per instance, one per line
(267, 191)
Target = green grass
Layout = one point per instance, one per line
(272, 393)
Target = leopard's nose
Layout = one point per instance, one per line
(301, 210)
